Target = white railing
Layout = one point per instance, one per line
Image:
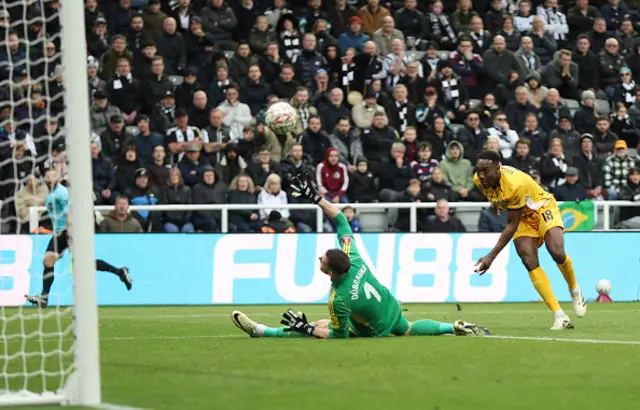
(412, 206)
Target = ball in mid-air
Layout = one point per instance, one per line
(281, 118)
(603, 287)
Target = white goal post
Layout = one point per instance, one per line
(26, 338)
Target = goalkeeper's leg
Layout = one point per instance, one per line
(254, 329)
(428, 327)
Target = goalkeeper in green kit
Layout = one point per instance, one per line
(359, 306)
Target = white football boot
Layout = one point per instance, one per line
(243, 323)
(578, 302)
(562, 322)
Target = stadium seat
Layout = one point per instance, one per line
(443, 54)
(455, 128)
(373, 220)
(469, 218)
(603, 107)
(229, 54)
(474, 103)
(132, 130)
(176, 80)
(414, 55)
(572, 105)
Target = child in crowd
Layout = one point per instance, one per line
(350, 214)
(424, 164)
(363, 185)
(409, 138)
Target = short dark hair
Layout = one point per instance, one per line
(233, 86)
(524, 140)
(344, 118)
(338, 261)
(490, 156)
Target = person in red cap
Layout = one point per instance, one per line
(353, 37)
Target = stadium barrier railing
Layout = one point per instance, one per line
(605, 206)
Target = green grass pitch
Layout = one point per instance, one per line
(194, 358)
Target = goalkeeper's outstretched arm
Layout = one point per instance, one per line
(329, 208)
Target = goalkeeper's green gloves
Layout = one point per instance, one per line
(303, 187)
(297, 322)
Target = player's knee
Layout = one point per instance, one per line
(50, 259)
(558, 255)
(530, 261)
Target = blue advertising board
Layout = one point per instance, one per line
(280, 269)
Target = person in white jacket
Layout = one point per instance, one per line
(524, 19)
(508, 137)
(237, 115)
(555, 22)
(273, 195)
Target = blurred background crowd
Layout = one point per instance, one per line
(395, 99)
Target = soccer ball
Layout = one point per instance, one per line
(603, 287)
(281, 118)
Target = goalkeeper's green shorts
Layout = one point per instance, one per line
(401, 327)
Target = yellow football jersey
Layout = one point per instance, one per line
(516, 190)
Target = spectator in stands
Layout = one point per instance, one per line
(114, 140)
(270, 63)
(304, 109)
(255, 91)
(185, 91)
(314, 140)
(312, 13)
(491, 221)
(95, 83)
(624, 126)
(218, 133)
(146, 140)
(493, 17)
(551, 110)
(172, 46)
(588, 65)
(538, 137)
(461, 18)
(20, 166)
(634, 110)
(443, 221)
(273, 195)
(457, 171)
(33, 193)
(157, 85)
(580, 18)
(518, 110)
(472, 135)
(242, 191)
(502, 129)
(98, 38)
(604, 138)
(363, 187)
(136, 35)
(410, 194)
(424, 164)
(285, 87)
(230, 165)
(154, 18)
(176, 193)
(589, 168)
(502, 66)
(217, 90)
(554, 164)
(111, 59)
(339, 14)
(183, 14)
(627, 36)
(120, 220)
(437, 27)
(555, 22)
(263, 168)
(523, 20)
(527, 56)
(332, 177)
(219, 19)
(480, 37)
(348, 143)
(125, 92)
(334, 110)
(191, 164)
(104, 177)
(469, 66)
(395, 63)
(198, 43)
(236, 115)
(143, 194)
(510, 33)
(571, 190)
(400, 111)
(570, 138)
(611, 62)
(350, 214)
(633, 60)
(544, 44)
(363, 114)
(289, 37)
(354, 37)
(625, 91)
(126, 168)
(586, 117)
(163, 115)
(384, 36)
(451, 91)
(616, 168)
(321, 89)
(323, 36)
(439, 136)
(368, 68)
(372, 15)
(429, 61)
(101, 112)
(437, 188)
(598, 35)
(394, 174)
(240, 62)
(208, 191)
(630, 216)
(614, 12)
(294, 164)
(200, 109)
(409, 139)
(562, 74)
(121, 17)
(522, 159)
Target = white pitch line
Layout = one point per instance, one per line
(564, 339)
(463, 312)
(108, 406)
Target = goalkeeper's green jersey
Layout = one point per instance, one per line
(358, 302)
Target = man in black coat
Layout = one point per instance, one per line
(588, 62)
(285, 87)
(208, 192)
(314, 140)
(589, 167)
(255, 92)
(125, 92)
(517, 110)
(400, 111)
(171, 46)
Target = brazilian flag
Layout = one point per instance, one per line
(578, 216)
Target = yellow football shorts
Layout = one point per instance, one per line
(536, 224)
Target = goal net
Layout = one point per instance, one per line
(44, 358)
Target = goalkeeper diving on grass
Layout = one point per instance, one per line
(359, 306)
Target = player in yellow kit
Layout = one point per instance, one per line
(533, 218)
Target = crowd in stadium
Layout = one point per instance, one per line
(394, 99)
